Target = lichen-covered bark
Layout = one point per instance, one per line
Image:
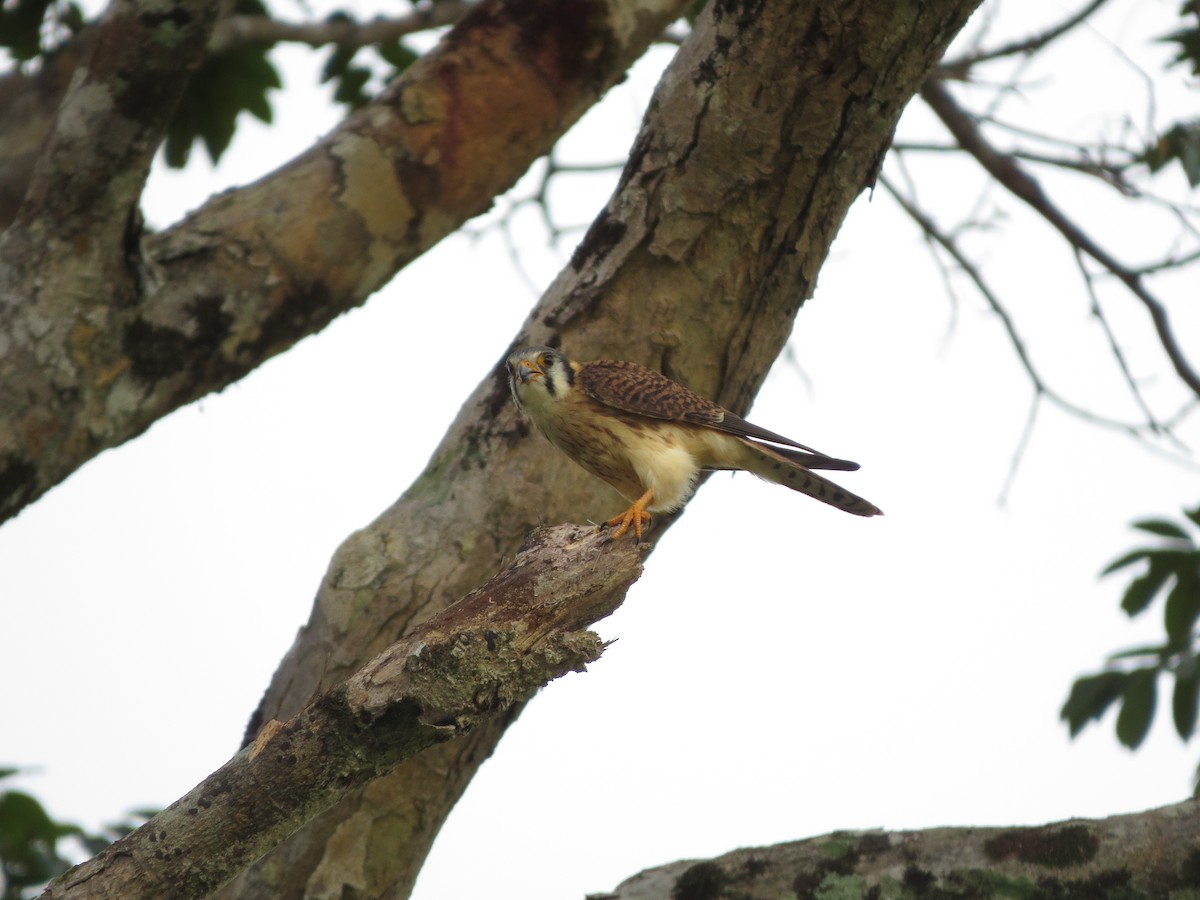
(491, 649)
(104, 329)
(768, 124)
(1150, 854)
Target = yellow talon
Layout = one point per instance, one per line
(636, 515)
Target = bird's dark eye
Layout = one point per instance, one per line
(545, 360)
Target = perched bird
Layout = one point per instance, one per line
(650, 437)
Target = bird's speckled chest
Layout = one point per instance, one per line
(632, 453)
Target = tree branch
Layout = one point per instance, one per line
(237, 31)
(95, 160)
(1041, 389)
(1150, 854)
(493, 648)
(1009, 173)
(91, 362)
(961, 66)
(760, 135)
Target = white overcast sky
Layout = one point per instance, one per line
(782, 670)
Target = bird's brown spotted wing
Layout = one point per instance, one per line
(635, 389)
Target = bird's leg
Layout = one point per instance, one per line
(636, 515)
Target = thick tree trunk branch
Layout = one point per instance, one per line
(89, 175)
(493, 648)
(1150, 854)
(766, 127)
(87, 363)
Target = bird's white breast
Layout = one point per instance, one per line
(632, 453)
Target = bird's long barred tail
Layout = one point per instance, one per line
(772, 467)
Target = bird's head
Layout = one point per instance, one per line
(539, 376)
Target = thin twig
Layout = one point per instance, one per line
(237, 31)
(1113, 345)
(1019, 451)
(947, 242)
(1112, 174)
(1009, 173)
(1026, 46)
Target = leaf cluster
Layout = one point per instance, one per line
(224, 86)
(29, 841)
(350, 79)
(1181, 143)
(21, 26)
(1131, 677)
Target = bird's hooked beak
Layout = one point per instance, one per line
(525, 371)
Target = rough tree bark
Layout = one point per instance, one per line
(1150, 854)
(769, 123)
(489, 650)
(105, 329)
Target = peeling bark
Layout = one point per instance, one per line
(493, 648)
(104, 330)
(766, 127)
(1150, 854)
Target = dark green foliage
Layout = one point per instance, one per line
(1131, 677)
(1090, 698)
(1137, 707)
(29, 838)
(1181, 143)
(350, 79)
(222, 88)
(21, 30)
(1187, 37)
(28, 843)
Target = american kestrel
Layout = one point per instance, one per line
(650, 437)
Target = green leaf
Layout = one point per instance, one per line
(339, 60)
(1157, 651)
(1182, 610)
(1163, 528)
(27, 842)
(1137, 707)
(21, 27)
(1090, 697)
(1141, 591)
(398, 55)
(1188, 40)
(1173, 558)
(1127, 560)
(1184, 700)
(221, 89)
(1181, 143)
(1193, 516)
(350, 87)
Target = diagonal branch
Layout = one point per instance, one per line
(1008, 172)
(97, 155)
(760, 135)
(90, 362)
(961, 66)
(495, 647)
(1041, 389)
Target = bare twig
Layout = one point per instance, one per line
(961, 66)
(1019, 451)
(1113, 345)
(1111, 173)
(1008, 172)
(947, 242)
(237, 31)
